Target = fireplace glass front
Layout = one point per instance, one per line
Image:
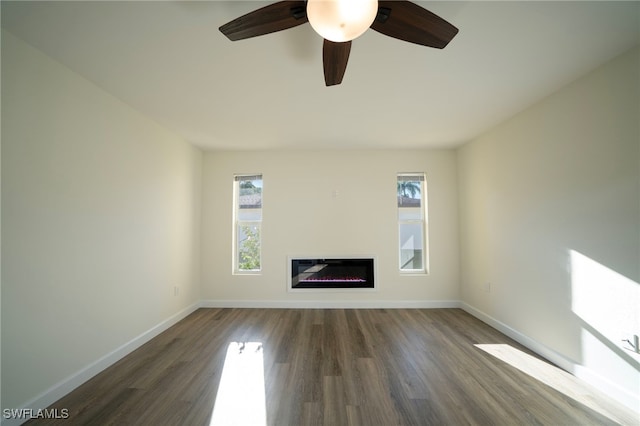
(332, 273)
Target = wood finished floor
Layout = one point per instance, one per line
(339, 367)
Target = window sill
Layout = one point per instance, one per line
(416, 272)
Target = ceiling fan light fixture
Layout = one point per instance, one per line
(341, 20)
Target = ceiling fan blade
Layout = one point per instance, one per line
(335, 57)
(269, 19)
(407, 21)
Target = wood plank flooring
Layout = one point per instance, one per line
(340, 367)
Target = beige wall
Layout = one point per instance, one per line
(550, 217)
(301, 217)
(100, 222)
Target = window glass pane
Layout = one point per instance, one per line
(248, 247)
(250, 193)
(249, 215)
(405, 214)
(409, 192)
(247, 219)
(411, 246)
(412, 204)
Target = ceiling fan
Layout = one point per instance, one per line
(341, 21)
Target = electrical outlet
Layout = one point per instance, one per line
(487, 287)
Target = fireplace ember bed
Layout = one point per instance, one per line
(332, 273)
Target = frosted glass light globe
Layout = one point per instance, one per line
(341, 20)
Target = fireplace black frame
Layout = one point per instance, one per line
(333, 273)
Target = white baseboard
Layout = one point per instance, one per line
(553, 356)
(332, 304)
(65, 386)
(589, 376)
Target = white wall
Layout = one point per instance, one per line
(100, 218)
(550, 217)
(302, 218)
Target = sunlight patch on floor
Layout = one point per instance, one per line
(241, 394)
(548, 374)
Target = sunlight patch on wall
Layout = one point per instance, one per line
(241, 394)
(548, 374)
(604, 299)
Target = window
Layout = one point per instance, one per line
(412, 200)
(247, 196)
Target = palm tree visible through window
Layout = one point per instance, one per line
(407, 189)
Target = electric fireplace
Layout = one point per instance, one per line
(332, 273)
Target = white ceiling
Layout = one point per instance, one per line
(169, 61)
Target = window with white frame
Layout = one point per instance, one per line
(412, 223)
(247, 226)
